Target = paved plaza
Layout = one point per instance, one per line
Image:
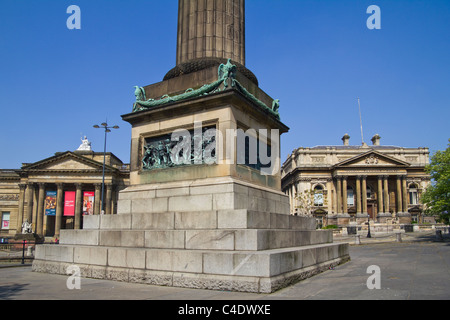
(409, 270)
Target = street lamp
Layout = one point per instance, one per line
(105, 126)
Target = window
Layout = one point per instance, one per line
(5, 220)
(350, 197)
(318, 196)
(413, 195)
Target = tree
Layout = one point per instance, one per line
(437, 196)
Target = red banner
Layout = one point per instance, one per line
(69, 203)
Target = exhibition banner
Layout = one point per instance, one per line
(69, 203)
(88, 203)
(50, 203)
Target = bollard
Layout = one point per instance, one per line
(399, 237)
(358, 239)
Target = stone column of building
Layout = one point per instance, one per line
(97, 198)
(339, 195)
(59, 208)
(213, 28)
(40, 214)
(364, 195)
(405, 194)
(78, 206)
(344, 195)
(330, 202)
(404, 217)
(22, 188)
(358, 196)
(399, 195)
(108, 199)
(386, 193)
(380, 195)
(29, 200)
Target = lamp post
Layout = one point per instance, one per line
(105, 126)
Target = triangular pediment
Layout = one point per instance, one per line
(372, 159)
(67, 161)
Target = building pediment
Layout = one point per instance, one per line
(67, 161)
(372, 159)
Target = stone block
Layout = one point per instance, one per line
(166, 239)
(216, 282)
(210, 239)
(123, 207)
(240, 264)
(108, 222)
(126, 238)
(91, 222)
(242, 219)
(126, 258)
(174, 260)
(196, 220)
(80, 237)
(153, 221)
(150, 277)
(90, 255)
(191, 203)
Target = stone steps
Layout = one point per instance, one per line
(211, 219)
(205, 239)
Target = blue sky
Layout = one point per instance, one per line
(316, 56)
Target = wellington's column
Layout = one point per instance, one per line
(211, 28)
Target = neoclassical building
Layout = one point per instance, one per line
(348, 183)
(55, 193)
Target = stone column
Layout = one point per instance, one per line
(344, 195)
(40, 215)
(358, 195)
(380, 195)
(404, 217)
(97, 198)
(364, 195)
(213, 28)
(22, 188)
(339, 195)
(29, 200)
(386, 194)
(382, 216)
(108, 199)
(78, 206)
(405, 195)
(399, 194)
(344, 218)
(59, 208)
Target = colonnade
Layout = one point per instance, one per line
(32, 204)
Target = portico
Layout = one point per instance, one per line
(55, 193)
(357, 183)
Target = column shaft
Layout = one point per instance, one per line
(40, 215)
(78, 206)
(344, 195)
(386, 194)
(59, 209)
(358, 195)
